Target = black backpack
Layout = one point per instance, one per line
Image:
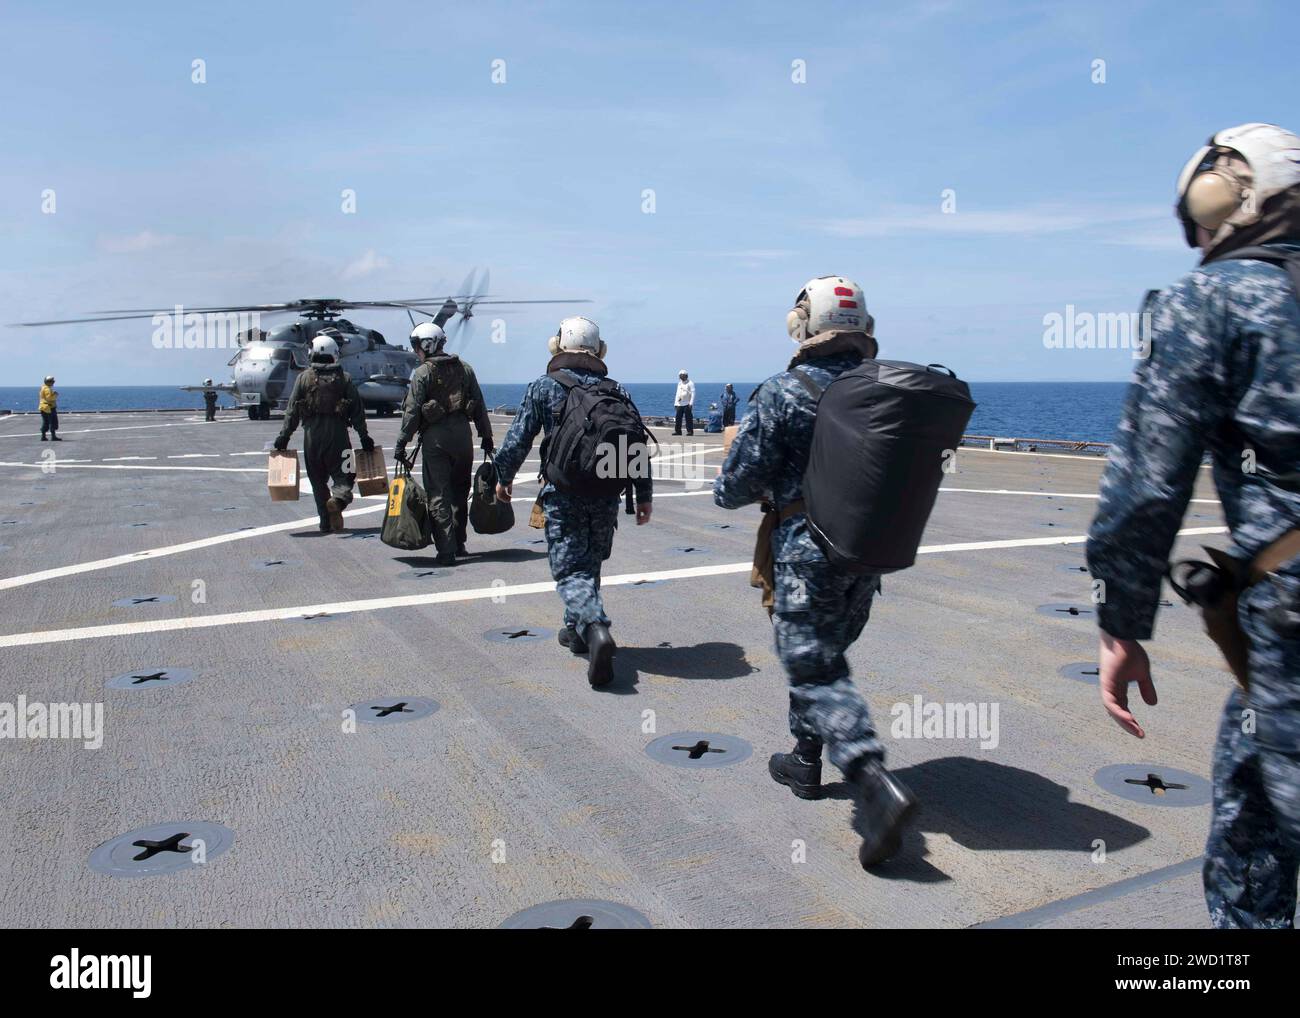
(883, 434)
(599, 442)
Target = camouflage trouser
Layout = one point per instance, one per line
(1253, 853)
(818, 613)
(579, 537)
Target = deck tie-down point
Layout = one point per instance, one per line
(698, 749)
(152, 848)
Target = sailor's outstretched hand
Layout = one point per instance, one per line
(504, 492)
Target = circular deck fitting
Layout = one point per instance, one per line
(644, 583)
(1051, 523)
(1067, 567)
(1080, 671)
(143, 599)
(316, 617)
(393, 710)
(698, 749)
(1068, 611)
(229, 509)
(577, 914)
(152, 677)
(1153, 785)
(136, 526)
(722, 526)
(518, 634)
(161, 848)
(691, 549)
(432, 573)
(274, 563)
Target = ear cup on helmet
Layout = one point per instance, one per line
(553, 345)
(796, 322)
(1211, 199)
(604, 348)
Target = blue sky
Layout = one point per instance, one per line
(229, 191)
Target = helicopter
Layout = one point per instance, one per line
(267, 363)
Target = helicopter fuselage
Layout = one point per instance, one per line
(268, 363)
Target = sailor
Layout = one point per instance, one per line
(443, 398)
(817, 610)
(326, 401)
(729, 401)
(684, 403)
(49, 408)
(1223, 377)
(579, 529)
(209, 400)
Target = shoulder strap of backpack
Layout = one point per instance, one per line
(566, 378)
(1289, 260)
(808, 383)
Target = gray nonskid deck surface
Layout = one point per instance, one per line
(526, 786)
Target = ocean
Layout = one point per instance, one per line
(1076, 411)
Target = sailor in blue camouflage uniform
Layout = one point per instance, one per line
(579, 529)
(1223, 377)
(818, 610)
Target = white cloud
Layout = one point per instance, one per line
(134, 243)
(367, 264)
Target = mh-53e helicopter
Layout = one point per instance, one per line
(267, 363)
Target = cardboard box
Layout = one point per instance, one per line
(282, 475)
(728, 436)
(372, 474)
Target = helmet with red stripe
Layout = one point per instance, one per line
(828, 304)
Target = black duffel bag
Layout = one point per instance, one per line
(884, 432)
(486, 514)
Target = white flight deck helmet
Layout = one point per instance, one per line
(428, 337)
(1225, 184)
(828, 303)
(207, 381)
(324, 350)
(49, 379)
(577, 335)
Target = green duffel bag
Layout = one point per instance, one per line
(407, 524)
(486, 514)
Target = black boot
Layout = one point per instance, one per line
(568, 637)
(601, 647)
(55, 438)
(799, 770)
(445, 558)
(882, 807)
(335, 508)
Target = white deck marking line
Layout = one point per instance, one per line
(476, 594)
(8, 583)
(123, 427)
(1085, 457)
(195, 456)
(176, 549)
(1051, 494)
(87, 465)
